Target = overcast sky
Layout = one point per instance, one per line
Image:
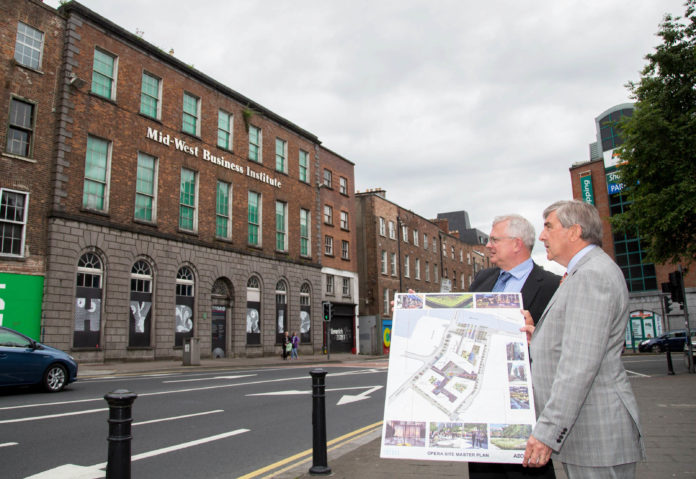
(446, 104)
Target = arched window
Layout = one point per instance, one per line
(253, 327)
(281, 295)
(185, 288)
(305, 313)
(140, 321)
(88, 299)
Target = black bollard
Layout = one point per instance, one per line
(118, 465)
(670, 369)
(319, 457)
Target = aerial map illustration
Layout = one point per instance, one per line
(458, 385)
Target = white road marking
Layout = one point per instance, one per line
(347, 398)
(637, 374)
(51, 416)
(8, 444)
(204, 388)
(207, 379)
(71, 471)
(174, 418)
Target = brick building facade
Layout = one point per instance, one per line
(401, 250)
(172, 207)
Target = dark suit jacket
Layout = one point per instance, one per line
(536, 292)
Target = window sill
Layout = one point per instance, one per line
(152, 224)
(188, 232)
(9, 257)
(224, 240)
(26, 67)
(192, 135)
(95, 212)
(107, 99)
(18, 157)
(151, 118)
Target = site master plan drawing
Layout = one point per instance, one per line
(459, 385)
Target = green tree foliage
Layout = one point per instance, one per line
(659, 146)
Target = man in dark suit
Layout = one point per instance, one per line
(510, 247)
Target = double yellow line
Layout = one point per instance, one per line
(306, 455)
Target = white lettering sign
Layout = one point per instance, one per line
(206, 155)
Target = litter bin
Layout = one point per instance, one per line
(192, 352)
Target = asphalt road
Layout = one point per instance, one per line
(214, 424)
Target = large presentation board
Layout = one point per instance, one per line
(459, 385)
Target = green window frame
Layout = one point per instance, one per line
(304, 232)
(281, 226)
(187, 200)
(96, 185)
(29, 46)
(190, 115)
(281, 155)
(255, 139)
(145, 188)
(222, 210)
(224, 139)
(104, 74)
(253, 218)
(304, 166)
(150, 93)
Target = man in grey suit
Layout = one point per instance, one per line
(587, 416)
(510, 247)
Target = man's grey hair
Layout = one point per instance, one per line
(518, 227)
(579, 213)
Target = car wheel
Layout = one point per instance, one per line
(55, 378)
(656, 348)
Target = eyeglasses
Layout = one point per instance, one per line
(493, 240)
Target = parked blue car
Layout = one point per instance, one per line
(672, 340)
(24, 361)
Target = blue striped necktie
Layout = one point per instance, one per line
(502, 281)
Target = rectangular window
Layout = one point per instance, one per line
(382, 227)
(344, 220)
(392, 231)
(328, 215)
(145, 188)
(392, 261)
(13, 221)
(329, 284)
(427, 271)
(385, 302)
(461, 256)
(96, 188)
(343, 185)
(304, 166)
(345, 249)
(150, 95)
(191, 114)
(20, 131)
(281, 155)
(384, 262)
(104, 74)
(407, 267)
(305, 245)
(417, 268)
(435, 276)
(415, 237)
(223, 207)
(346, 286)
(224, 139)
(328, 245)
(452, 251)
(254, 218)
(327, 178)
(187, 200)
(404, 233)
(255, 139)
(281, 226)
(29, 46)
(425, 241)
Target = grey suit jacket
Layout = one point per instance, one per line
(536, 292)
(585, 406)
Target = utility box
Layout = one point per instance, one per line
(192, 352)
(369, 339)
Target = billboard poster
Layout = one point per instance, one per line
(459, 386)
(21, 296)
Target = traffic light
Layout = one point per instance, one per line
(328, 311)
(668, 304)
(676, 287)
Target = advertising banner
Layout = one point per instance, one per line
(21, 296)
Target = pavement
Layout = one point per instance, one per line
(667, 407)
